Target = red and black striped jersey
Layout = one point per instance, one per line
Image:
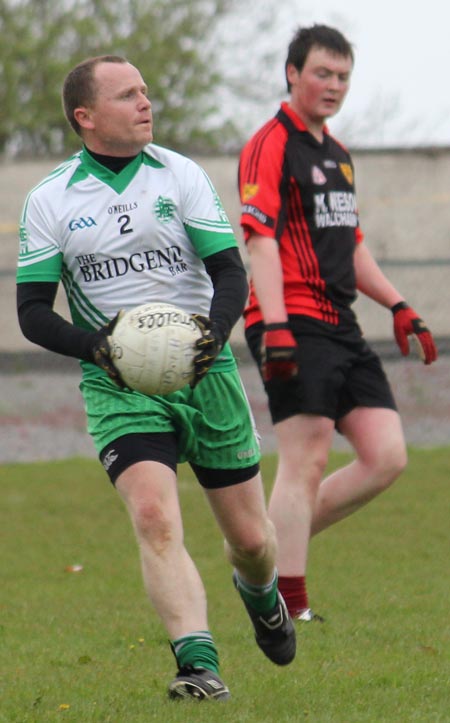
(301, 192)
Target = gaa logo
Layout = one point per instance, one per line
(78, 223)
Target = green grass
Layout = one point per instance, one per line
(90, 641)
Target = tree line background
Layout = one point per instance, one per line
(172, 42)
(215, 70)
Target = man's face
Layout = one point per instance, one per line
(120, 120)
(319, 89)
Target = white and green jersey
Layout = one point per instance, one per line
(119, 240)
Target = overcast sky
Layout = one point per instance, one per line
(400, 90)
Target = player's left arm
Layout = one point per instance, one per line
(370, 279)
(229, 279)
(372, 282)
(209, 229)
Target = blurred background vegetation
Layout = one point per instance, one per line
(172, 42)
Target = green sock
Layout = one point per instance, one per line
(196, 649)
(260, 597)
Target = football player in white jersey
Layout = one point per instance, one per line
(121, 223)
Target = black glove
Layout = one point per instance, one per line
(278, 352)
(208, 346)
(101, 351)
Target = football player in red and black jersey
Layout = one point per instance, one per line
(308, 260)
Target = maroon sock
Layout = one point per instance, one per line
(293, 589)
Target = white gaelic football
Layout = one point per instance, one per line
(153, 347)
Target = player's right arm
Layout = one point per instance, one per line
(39, 272)
(278, 349)
(260, 174)
(42, 325)
(267, 277)
(260, 177)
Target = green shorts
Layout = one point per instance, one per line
(212, 424)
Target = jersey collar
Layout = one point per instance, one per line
(297, 121)
(117, 181)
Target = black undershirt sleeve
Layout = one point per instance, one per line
(230, 284)
(42, 325)
(39, 322)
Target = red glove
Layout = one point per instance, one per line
(407, 322)
(278, 353)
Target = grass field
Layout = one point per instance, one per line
(85, 646)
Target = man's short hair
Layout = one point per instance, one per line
(318, 36)
(79, 87)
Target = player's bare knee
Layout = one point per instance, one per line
(152, 525)
(254, 547)
(247, 550)
(390, 465)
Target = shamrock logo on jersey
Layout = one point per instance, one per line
(164, 209)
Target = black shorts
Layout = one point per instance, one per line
(338, 371)
(161, 447)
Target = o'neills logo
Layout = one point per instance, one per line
(155, 319)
